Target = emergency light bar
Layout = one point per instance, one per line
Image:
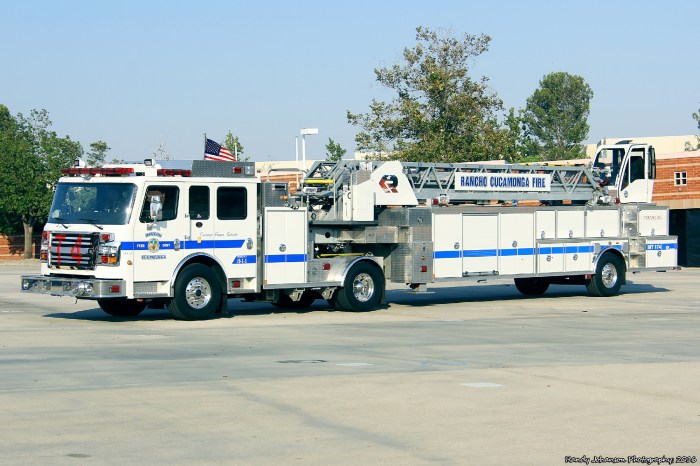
(174, 172)
(93, 171)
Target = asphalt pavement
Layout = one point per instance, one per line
(460, 375)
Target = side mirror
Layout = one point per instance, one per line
(156, 209)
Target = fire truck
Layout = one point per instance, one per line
(145, 234)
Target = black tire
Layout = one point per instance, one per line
(531, 286)
(609, 276)
(122, 307)
(306, 300)
(362, 290)
(197, 294)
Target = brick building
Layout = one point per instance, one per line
(677, 186)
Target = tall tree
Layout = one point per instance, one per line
(31, 159)
(440, 113)
(98, 152)
(232, 143)
(555, 118)
(334, 152)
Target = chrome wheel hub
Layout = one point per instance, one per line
(198, 293)
(363, 287)
(609, 275)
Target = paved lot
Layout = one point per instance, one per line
(466, 375)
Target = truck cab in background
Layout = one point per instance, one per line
(628, 170)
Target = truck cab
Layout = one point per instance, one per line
(137, 234)
(628, 170)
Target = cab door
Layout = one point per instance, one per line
(201, 238)
(236, 233)
(157, 244)
(636, 177)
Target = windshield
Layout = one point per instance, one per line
(97, 203)
(609, 160)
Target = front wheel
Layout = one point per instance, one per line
(362, 290)
(197, 293)
(608, 278)
(122, 307)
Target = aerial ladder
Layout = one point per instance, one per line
(619, 173)
(459, 183)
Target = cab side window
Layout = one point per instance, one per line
(169, 196)
(231, 203)
(199, 202)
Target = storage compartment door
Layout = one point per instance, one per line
(545, 224)
(517, 243)
(285, 246)
(578, 257)
(550, 258)
(604, 223)
(479, 244)
(661, 252)
(447, 240)
(570, 223)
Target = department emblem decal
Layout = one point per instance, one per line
(153, 245)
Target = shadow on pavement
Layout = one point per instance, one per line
(444, 295)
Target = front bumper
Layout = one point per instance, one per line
(86, 288)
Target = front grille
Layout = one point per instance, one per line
(72, 250)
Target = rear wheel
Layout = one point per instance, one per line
(609, 276)
(531, 286)
(197, 293)
(122, 307)
(362, 290)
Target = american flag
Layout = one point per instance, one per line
(215, 151)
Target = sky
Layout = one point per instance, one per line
(143, 74)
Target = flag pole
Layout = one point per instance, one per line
(205, 146)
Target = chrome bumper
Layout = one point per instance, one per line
(87, 288)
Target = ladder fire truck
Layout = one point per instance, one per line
(134, 235)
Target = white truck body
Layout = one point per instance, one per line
(189, 240)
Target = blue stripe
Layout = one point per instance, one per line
(613, 246)
(189, 244)
(661, 246)
(517, 252)
(446, 255)
(250, 259)
(281, 258)
(134, 246)
(475, 253)
(564, 250)
(214, 244)
(479, 252)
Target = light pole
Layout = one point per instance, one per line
(304, 132)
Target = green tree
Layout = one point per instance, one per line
(232, 143)
(688, 145)
(334, 152)
(97, 154)
(440, 113)
(31, 159)
(555, 119)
